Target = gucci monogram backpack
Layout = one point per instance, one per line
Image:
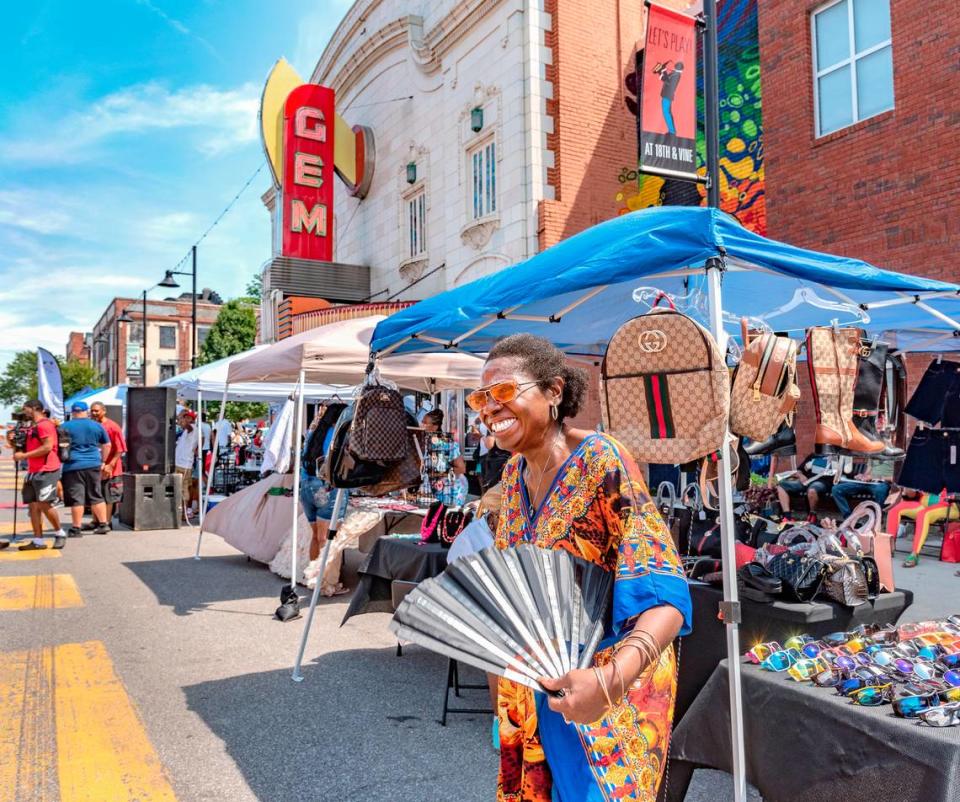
(665, 389)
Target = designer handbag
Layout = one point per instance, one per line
(665, 392)
(864, 535)
(845, 580)
(801, 574)
(764, 385)
(379, 431)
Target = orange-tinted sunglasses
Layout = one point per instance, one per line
(502, 393)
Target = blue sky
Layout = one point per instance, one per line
(125, 128)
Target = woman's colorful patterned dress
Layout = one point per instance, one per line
(597, 508)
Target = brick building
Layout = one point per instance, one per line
(168, 337)
(78, 346)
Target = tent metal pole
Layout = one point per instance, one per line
(298, 429)
(205, 498)
(909, 298)
(338, 504)
(938, 314)
(200, 458)
(730, 607)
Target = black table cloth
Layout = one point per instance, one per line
(390, 559)
(807, 744)
(706, 646)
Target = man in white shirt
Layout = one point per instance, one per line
(224, 431)
(186, 453)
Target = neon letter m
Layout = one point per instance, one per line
(314, 221)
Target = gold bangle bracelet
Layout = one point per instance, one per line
(603, 685)
(623, 686)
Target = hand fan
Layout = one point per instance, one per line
(521, 613)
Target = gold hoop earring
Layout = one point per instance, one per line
(554, 413)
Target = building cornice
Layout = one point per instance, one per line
(427, 49)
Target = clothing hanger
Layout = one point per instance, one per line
(806, 295)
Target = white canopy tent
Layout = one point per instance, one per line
(210, 380)
(339, 353)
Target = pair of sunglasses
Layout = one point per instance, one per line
(797, 642)
(943, 716)
(781, 661)
(916, 668)
(873, 695)
(762, 651)
(500, 393)
(912, 706)
(807, 669)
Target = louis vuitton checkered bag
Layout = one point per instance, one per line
(665, 391)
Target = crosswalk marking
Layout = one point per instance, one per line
(27, 748)
(71, 733)
(10, 555)
(43, 592)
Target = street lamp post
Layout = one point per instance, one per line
(123, 318)
(170, 281)
(143, 344)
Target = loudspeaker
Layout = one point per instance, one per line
(151, 501)
(151, 429)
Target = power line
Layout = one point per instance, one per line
(220, 216)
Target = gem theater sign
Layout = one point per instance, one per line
(306, 142)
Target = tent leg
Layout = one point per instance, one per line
(205, 499)
(331, 534)
(298, 412)
(200, 459)
(730, 608)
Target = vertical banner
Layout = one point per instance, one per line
(308, 147)
(668, 114)
(50, 383)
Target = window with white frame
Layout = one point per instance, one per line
(416, 224)
(852, 62)
(483, 179)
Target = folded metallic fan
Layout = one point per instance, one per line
(522, 613)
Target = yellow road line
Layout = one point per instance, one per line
(11, 555)
(42, 592)
(103, 751)
(27, 748)
(70, 732)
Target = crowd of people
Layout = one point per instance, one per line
(76, 464)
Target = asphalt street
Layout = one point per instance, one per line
(207, 670)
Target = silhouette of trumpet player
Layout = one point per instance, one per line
(669, 79)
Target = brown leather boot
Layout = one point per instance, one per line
(832, 356)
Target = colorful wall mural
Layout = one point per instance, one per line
(741, 129)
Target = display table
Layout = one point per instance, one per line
(807, 744)
(706, 646)
(393, 558)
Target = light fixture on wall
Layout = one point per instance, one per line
(411, 172)
(476, 119)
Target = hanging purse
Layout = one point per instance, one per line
(379, 431)
(764, 385)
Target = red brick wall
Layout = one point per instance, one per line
(77, 347)
(594, 138)
(886, 189)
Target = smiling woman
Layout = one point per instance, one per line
(580, 491)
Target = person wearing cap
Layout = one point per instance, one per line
(89, 447)
(186, 452)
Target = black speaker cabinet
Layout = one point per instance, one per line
(151, 501)
(151, 429)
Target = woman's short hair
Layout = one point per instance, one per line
(543, 361)
(434, 416)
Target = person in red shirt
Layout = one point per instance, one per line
(43, 472)
(111, 473)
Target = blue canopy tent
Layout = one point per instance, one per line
(579, 292)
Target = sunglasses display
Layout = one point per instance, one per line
(500, 393)
(915, 668)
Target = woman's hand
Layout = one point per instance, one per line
(583, 701)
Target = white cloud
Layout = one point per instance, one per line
(227, 116)
(178, 26)
(31, 211)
